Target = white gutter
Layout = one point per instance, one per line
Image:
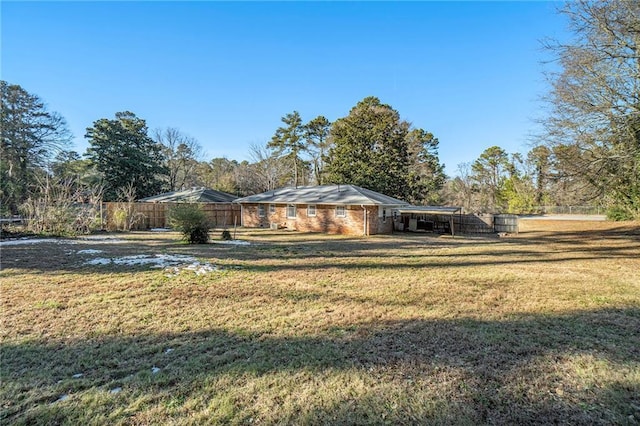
(364, 214)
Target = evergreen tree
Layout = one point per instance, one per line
(374, 148)
(370, 149)
(489, 172)
(540, 160)
(125, 155)
(316, 133)
(517, 189)
(289, 144)
(69, 167)
(426, 174)
(31, 136)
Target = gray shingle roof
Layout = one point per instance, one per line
(325, 194)
(193, 195)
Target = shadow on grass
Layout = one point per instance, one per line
(381, 252)
(502, 372)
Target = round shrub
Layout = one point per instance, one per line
(191, 221)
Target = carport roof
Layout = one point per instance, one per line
(443, 210)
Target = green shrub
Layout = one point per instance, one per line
(226, 235)
(120, 219)
(191, 221)
(618, 213)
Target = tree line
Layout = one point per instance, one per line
(371, 147)
(588, 153)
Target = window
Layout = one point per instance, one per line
(261, 210)
(291, 211)
(311, 210)
(341, 211)
(384, 215)
(272, 208)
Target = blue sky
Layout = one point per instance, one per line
(226, 72)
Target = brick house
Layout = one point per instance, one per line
(333, 209)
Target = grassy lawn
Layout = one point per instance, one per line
(542, 327)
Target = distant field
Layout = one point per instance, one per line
(542, 327)
(573, 217)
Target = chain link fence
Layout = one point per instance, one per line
(581, 210)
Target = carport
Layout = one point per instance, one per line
(426, 218)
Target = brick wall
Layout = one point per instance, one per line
(325, 219)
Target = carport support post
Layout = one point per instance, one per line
(451, 225)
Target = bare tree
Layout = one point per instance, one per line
(461, 190)
(595, 100)
(63, 207)
(181, 154)
(266, 172)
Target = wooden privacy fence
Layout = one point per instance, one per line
(156, 215)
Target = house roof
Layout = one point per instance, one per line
(325, 194)
(193, 195)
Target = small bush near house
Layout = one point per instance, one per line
(191, 221)
(226, 235)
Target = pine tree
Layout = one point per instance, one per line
(31, 136)
(125, 155)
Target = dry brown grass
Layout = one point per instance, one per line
(542, 327)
